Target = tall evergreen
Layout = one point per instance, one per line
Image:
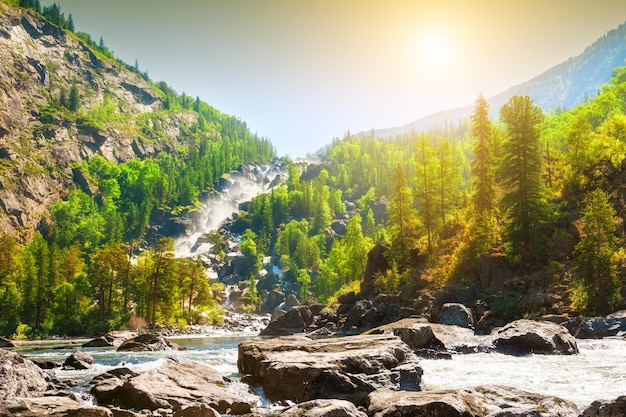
(483, 174)
(524, 199)
(402, 223)
(483, 166)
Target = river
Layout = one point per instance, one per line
(598, 372)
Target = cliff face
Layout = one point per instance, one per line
(41, 139)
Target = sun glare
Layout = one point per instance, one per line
(434, 49)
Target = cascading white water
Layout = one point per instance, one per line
(238, 187)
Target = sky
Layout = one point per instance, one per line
(303, 72)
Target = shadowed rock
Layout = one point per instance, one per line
(528, 336)
(148, 342)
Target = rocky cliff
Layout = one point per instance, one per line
(118, 115)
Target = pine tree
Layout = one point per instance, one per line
(483, 173)
(483, 165)
(426, 189)
(74, 100)
(598, 286)
(402, 223)
(522, 169)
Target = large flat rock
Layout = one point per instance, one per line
(300, 369)
(482, 401)
(175, 385)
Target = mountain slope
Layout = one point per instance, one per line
(63, 99)
(565, 85)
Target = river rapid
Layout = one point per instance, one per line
(598, 372)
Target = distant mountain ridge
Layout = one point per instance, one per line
(565, 85)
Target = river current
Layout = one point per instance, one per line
(598, 372)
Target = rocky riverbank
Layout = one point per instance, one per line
(374, 374)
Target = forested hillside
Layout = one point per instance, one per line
(538, 198)
(91, 153)
(521, 213)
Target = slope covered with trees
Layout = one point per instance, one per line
(92, 152)
(542, 191)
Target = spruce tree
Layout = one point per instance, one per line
(402, 223)
(483, 173)
(524, 199)
(597, 287)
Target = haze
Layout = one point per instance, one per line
(304, 72)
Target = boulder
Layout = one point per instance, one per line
(528, 336)
(148, 342)
(274, 299)
(50, 406)
(494, 271)
(323, 408)
(106, 386)
(109, 339)
(420, 335)
(175, 385)
(377, 263)
(78, 360)
(20, 377)
(299, 369)
(45, 364)
(197, 410)
(293, 321)
(599, 327)
(482, 401)
(456, 314)
(5, 343)
(615, 408)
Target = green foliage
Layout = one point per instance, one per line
(402, 225)
(597, 287)
(524, 199)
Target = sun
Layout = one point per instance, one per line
(434, 49)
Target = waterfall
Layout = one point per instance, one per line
(236, 187)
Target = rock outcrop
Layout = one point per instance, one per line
(615, 408)
(528, 336)
(456, 314)
(299, 369)
(51, 406)
(598, 327)
(296, 320)
(38, 144)
(175, 385)
(20, 377)
(481, 401)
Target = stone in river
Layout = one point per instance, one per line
(175, 385)
(482, 401)
(20, 377)
(528, 336)
(300, 369)
(148, 342)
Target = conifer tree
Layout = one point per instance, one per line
(402, 223)
(483, 165)
(483, 172)
(597, 288)
(522, 169)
